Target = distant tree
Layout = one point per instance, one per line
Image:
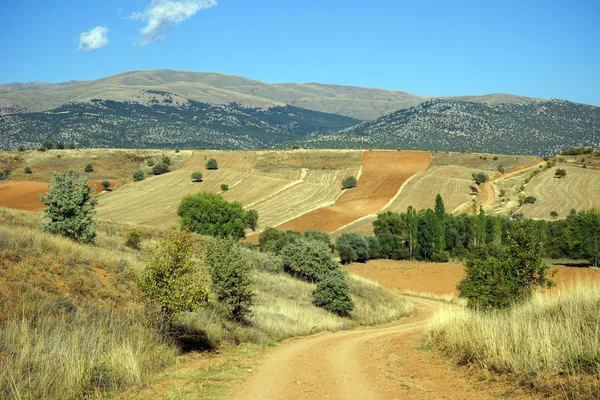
(224, 187)
(553, 215)
(411, 222)
(273, 240)
(390, 245)
(71, 145)
(21, 148)
(251, 219)
(196, 176)
(480, 177)
(313, 234)
(166, 160)
(47, 144)
(389, 222)
(358, 244)
(60, 146)
(440, 212)
(133, 240)
(172, 280)
(429, 234)
(584, 228)
(333, 294)
(105, 185)
(150, 162)
(89, 168)
(529, 200)
(177, 149)
(349, 182)
(70, 208)
(231, 273)
(139, 175)
(501, 168)
(560, 173)
(374, 247)
(209, 214)
(309, 260)
(212, 164)
(160, 169)
(28, 170)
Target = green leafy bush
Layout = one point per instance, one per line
(224, 187)
(212, 164)
(160, 169)
(28, 170)
(349, 182)
(251, 219)
(133, 240)
(332, 293)
(196, 176)
(105, 185)
(358, 244)
(139, 175)
(560, 173)
(480, 177)
(309, 260)
(89, 168)
(313, 234)
(209, 214)
(70, 207)
(150, 162)
(273, 240)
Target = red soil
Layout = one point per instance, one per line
(383, 174)
(24, 195)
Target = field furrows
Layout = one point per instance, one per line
(580, 190)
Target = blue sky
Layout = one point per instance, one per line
(439, 47)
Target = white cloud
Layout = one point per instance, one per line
(93, 39)
(162, 13)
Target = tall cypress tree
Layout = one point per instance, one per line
(412, 230)
(440, 212)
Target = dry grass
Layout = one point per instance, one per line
(552, 342)
(445, 298)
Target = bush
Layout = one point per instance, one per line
(160, 169)
(138, 175)
(89, 168)
(47, 145)
(60, 146)
(332, 294)
(313, 234)
(71, 145)
(166, 160)
(171, 279)
(529, 200)
(501, 169)
(440, 256)
(309, 260)
(196, 176)
(251, 219)
(70, 207)
(212, 164)
(266, 261)
(358, 244)
(374, 247)
(21, 148)
(231, 273)
(150, 162)
(560, 173)
(209, 214)
(28, 170)
(273, 240)
(224, 187)
(349, 182)
(480, 177)
(105, 185)
(133, 240)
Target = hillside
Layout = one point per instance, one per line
(541, 127)
(160, 119)
(214, 88)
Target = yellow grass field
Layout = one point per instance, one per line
(580, 190)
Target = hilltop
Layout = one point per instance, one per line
(537, 128)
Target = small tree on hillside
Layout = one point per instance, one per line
(160, 169)
(139, 175)
(47, 144)
(105, 185)
(28, 170)
(560, 173)
(21, 148)
(71, 145)
(358, 244)
(333, 294)
(212, 164)
(349, 182)
(308, 259)
(224, 187)
(251, 219)
(480, 177)
(89, 168)
(209, 214)
(70, 207)
(196, 176)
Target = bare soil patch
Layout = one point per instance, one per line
(22, 195)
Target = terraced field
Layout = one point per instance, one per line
(580, 190)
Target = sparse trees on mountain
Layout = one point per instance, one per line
(352, 247)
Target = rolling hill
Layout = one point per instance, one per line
(537, 128)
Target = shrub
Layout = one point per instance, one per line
(196, 176)
(89, 168)
(105, 185)
(150, 162)
(374, 247)
(138, 175)
(553, 214)
(309, 260)
(133, 240)
(160, 169)
(273, 240)
(47, 145)
(358, 244)
(21, 148)
(212, 164)
(313, 234)
(71, 145)
(70, 207)
(166, 160)
(177, 149)
(171, 279)
(480, 177)
(251, 219)
(60, 146)
(529, 200)
(231, 273)
(266, 261)
(501, 169)
(224, 187)
(560, 173)
(209, 214)
(349, 182)
(440, 256)
(332, 293)
(28, 170)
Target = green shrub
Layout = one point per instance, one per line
(480, 177)
(309, 260)
(251, 219)
(139, 175)
(160, 169)
(150, 162)
(349, 182)
(71, 145)
(60, 146)
(501, 168)
(360, 248)
(47, 144)
(224, 187)
(273, 240)
(440, 256)
(28, 170)
(231, 273)
(89, 168)
(105, 185)
(529, 200)
(560, 173)
(133, 240)
(332, 293)
(166, 160)
(21, 148)
(374, 247)
(265, 261)
(212, 164)
(196, 176)
(209, 214)
(171, 279)
(70, 207)
(313, 234)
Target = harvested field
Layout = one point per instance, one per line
(383, 174)
(481, 161)
(442, 278)
(580, 190)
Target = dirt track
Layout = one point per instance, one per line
(487, 193)
(383, 174)
(370, 363)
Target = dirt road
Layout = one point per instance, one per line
(487, 193)
(370, 363)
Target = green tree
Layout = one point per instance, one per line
(349, 182)
(133, 240)
(390, 245)
(209, 214)
(89, 168)
(166, 160)
(47, 144)
(196, 176)
(138, 175)
(480, 177)
(60, 146)
(309, 260)
(313, 234)
(584, 229)
(150, 162)
(21, 148)
(374, 247)
(479, 228)
(224, 187)
(333, 294)
(553, 215)
(412, 230)
(251, 219)
(28, 170)
(440, 212)
(71, 145)
(429, 234)
(212, 164)
(105, 185)
(389, 222)
(358, 244)
(172, 280)
(496, 231)
(160, 169)
(231, 275)
(560, 173)
(273, 240)
(70, 207)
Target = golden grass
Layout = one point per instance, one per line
(552, 342)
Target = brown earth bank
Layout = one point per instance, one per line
(24, 195)
(382, 175)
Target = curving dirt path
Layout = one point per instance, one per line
(487, 194)
(369, 363)
(382, 176)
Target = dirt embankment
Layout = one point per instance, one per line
(382, 175)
